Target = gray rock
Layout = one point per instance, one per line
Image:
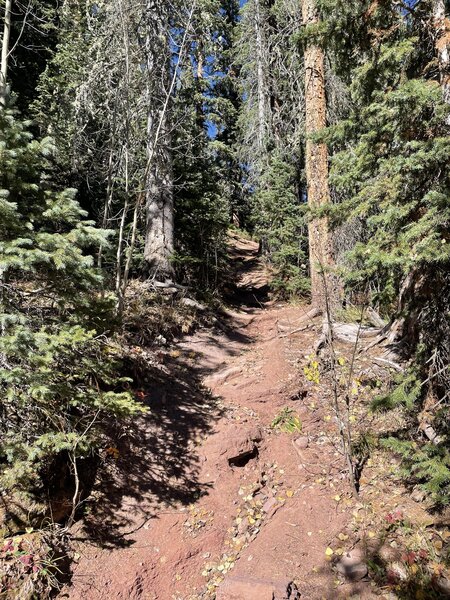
(444, 586)
(418, 495)
(193, 304)
(352, 567)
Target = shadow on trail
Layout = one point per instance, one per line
(157, 466)
(248, 284)
(414, 580)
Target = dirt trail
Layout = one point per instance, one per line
(206, 488)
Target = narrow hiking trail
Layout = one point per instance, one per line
(204, 489)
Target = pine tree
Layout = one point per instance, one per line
(271, 135)
(390, 167)
(57, 366)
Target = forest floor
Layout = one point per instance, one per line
(235, 478)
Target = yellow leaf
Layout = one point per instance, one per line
(337, 498)
(329, 551)
(371, 534)
(343, 537)
(289, 493)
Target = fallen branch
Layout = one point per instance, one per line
(389, 363)
(298, 330)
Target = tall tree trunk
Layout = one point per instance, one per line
(326, 289)
(442, 26)
(5, 52)
(159, 235)
(261, 83)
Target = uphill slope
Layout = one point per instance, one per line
(207, 489)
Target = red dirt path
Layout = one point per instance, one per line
(174, 507)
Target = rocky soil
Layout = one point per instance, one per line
(233, 486)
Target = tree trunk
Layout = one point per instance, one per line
(326, 289)
(442, 26)
(5, 52)
(261, 83)
(159, 235)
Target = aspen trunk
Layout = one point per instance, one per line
(5, 52)
(325, 286)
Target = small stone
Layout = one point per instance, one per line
(398, 570)
(444, 586)
(243, 526)
(269, 504)
(352, 567)
(418, 495)
(302, 442)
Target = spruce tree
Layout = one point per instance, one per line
(58, 381)
(390, 167)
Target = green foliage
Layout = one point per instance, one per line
(279, 218)
(57, 375)
(426, 463)
(202, 207)
(390, 159)
(287, 421)
(406, 392)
